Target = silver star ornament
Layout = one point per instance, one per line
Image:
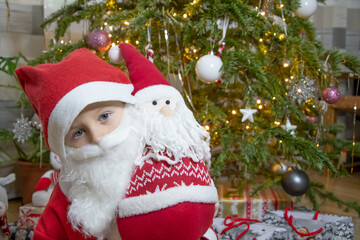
(289, 128)
(248, 114)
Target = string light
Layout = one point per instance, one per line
(227, 121)
(110, 35)
(111, 28)
(280, 141)
(286, 80)
(260, 107)
(207, 128)
(274, 98)
(286, 64)
(113, 44)
(137, 41)
(62, 41)
(263, 13)
(247, 127)
(291, 77)
(185, 15)
(260, 40)
(277, 123)
(258, 101)
(233, 112)
(105, 23)
(126, 23)
(174, 14)
(127, 41)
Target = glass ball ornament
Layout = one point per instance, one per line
(295, 182)
(208, 68)
(99, 40)
(331, 95)
(307, 8)
(314, 119)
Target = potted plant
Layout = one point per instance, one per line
(29, 149)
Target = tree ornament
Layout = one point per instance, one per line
(307, 8)
(248, 114)
(99, 40)
(295, 182)
(312, 119)
(208, 68)
(302, 90)
(22, 129)
(331, 95)
(36, 122)
(289, 127)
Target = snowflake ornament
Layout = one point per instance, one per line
(302, 90)
(22, 129)
(248, 114)
(289, 127)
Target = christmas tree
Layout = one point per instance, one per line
(252, 72)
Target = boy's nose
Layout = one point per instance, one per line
(97, 135)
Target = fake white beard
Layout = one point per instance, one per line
(178, 135)
(99, 175)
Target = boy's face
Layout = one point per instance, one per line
(94, 122)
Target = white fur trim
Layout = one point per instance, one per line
(157, 91)
(172, 196)
(69, 107)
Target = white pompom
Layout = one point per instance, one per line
(115, 55)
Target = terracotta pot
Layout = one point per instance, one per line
(29, 175)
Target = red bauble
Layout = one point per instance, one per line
(99, 40)
(331, 95)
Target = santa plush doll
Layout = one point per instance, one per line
(93, 178)
(47, 182)
(171, 194)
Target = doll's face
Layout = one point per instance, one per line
(94, 122)
(166, 106)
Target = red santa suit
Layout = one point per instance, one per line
(53, 223)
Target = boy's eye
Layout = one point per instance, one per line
(78, 133)
(104, 116)
(154, 102)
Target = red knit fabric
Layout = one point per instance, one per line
(53, 223)
(159, 175)
(46, 84)
(184, 221)
(142, 72)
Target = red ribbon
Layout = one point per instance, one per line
(236, 222)
(290, 221)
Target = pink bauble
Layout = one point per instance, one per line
(312, 119)
(99, 40)
(331, 95)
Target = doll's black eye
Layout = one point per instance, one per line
(167, 102)
(154, 102)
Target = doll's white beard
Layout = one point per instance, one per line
(99, 175)
(178, 135)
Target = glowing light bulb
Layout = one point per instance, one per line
(263, 13)
(113, 44)
(185, 15)
(247, 127)
(299, 90)
(285, 65)
(258, 101)
(137, 41)
(260, 107)
(291, 77)
(127, 41)
(233, 112)
(260, 40)
(126, 23)
(111, 28)
(110, 35)
(207, 128)
(286, 80)
(280, 141)
(105, 23)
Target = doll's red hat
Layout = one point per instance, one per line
(148, 81)
(59, 91)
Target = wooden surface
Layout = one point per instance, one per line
(347, 103)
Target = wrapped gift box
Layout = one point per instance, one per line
(245, 206)
(29, 216)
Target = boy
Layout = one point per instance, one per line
(85, 106)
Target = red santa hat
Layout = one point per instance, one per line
(59, 91)
(149, 83)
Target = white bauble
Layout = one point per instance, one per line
(307, 8)
(115, 55)
(208, 68)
